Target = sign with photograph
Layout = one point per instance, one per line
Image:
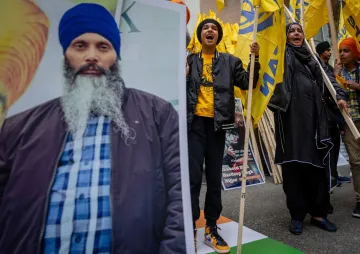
(234, 155)
(32, 59)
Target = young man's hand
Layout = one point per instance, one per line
(337, 67)
(255, 48)
(352, 85)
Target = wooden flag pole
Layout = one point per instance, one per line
(312, 43)
(330, 87)
(269, 138)
(247, 132)
(266, 143)
(333, 30)
(302, 21)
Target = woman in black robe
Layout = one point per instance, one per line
(302, 135)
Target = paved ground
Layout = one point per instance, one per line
(266, 213)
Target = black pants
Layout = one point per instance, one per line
(306, 189)
(205, 143)
(334, 153)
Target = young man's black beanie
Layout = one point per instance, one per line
(207, 21)
(322, 47)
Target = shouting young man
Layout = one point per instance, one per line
(349, 69)
(98, 169)
(211, 77)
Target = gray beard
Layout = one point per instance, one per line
(100, 95)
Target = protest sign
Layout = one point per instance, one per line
(234, 153)
(152, 58)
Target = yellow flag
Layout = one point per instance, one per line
(212, 15)
(268, 5)
(220, 4)
(272, 40)
(194, 45)
(264, 5)
(343, 33)
(227, 39)
(315, 15)
(351, 12)
(354, 6)
(341, 81)
(295, 9)
(235, 32)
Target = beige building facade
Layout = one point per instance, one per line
(230, 13)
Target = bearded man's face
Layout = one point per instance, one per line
(93, 85)
(91, 48)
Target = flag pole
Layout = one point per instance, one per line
(312, 44)
(333, 30)
(302, 21)
(330, 87)
(247, 133)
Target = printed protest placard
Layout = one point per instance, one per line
(234, 154)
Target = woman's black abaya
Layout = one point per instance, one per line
(302, 137)
(302, 133)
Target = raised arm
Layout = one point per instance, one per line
(242, 76)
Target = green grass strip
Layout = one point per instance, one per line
(265, 246)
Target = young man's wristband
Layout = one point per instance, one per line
(256, 58)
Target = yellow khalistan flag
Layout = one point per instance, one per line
(351, 12)
(343, 33)
(294, 8)
(315, 15)
(194, 44)
(272, 40)
(220, 4)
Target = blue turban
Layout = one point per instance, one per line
(88, 18)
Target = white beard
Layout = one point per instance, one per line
(90, 94)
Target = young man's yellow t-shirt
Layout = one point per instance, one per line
(205, 104)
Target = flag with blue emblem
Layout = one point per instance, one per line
(315, 15)
(295, 8)
(351, 12)
(343, 33)
(271, 38)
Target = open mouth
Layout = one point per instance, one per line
(297, 40)
(209, 36)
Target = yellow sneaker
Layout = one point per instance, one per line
(215, 241)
